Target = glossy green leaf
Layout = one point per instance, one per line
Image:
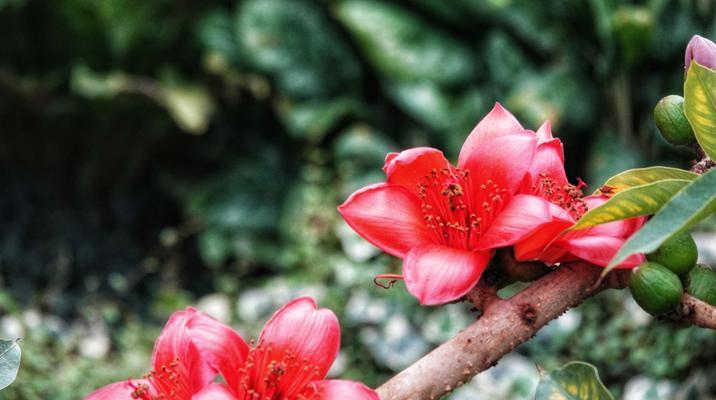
(9, 362)
(700, 106)
(576, 380)
(295, 42)
(424, 101)
(643, 176)
(690, 205)
(635, 201)
(312, 120)
(402, 46)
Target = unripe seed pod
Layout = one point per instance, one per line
(678, 253)
(702, 284)
(655, 288)
(671, 121)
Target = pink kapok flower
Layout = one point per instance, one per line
(444, 221)
(180, 369)
(551, 244)
(290, 360)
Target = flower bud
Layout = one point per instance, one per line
(701, 50)
(671, 121)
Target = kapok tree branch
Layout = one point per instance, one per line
(505, 324)
(697, 312)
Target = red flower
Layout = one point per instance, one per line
(180, 369)
(290, 361)
(444, 221)
(546, 177)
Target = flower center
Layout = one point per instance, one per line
(273, 374)
(164, 383)
(456, 209)
(567, 196)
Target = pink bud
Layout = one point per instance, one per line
(701, 50)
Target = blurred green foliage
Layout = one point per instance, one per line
(162, 153)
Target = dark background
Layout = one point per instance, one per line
(157, 154)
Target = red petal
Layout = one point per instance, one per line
(220, 345)
(496, 123)
(388, 216)
(115, 391)
(175, 343)
(522, 216)
(533, 246)
(548, 159)
(503, 160)
(335, 389)
(436, 274)
(599, 250)
(544, 133)
(214, 391)
(410, 167)
(307, 334)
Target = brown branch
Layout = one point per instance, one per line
(505, 324)
(697, 312)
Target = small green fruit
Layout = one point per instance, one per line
(671, 121)
(678, 253)
(655, 288)
(702, 284)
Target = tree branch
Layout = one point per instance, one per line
(505, 324)
(698, 312)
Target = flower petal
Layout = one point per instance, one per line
(504, 161)
(175, 343)
(409, 168)
(215, 391)
(536, 245)
(336, 389)
(436, 274)
(522, 216)
(599, 250)
(116, 391)
(306, 333)
(549, 160)
(388, 216)
(496, 123)
(544, 133)
(220, 345)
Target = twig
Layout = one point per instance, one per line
(505, 324)
(698, 312)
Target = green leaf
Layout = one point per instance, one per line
(296, 43)
(690, 205)
(424, 101)
(9, 362)
(189, 105)
(643, 176)
(635, 201)
(700, 106)
(313, 119)
(402, 46)
(576, 380)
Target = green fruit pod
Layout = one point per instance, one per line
(671, 121)
(678, 253)
(702, 284)
(655, 288)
